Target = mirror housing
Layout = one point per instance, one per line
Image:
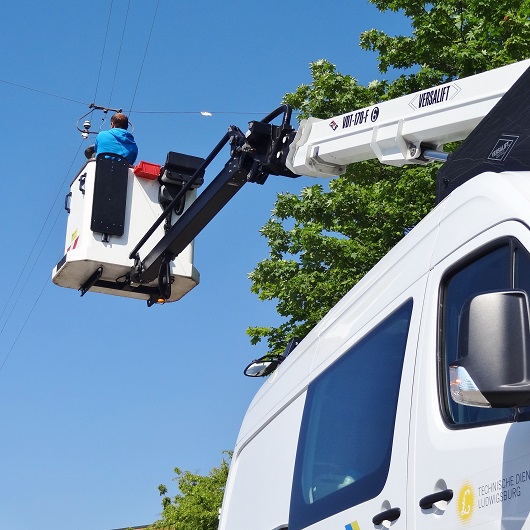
(493, 368)
(268, 363)
(263, 366)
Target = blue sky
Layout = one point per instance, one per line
(101, 397)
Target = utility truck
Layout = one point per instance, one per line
(408, 405)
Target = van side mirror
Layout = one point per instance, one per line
(263, 366)
(268, 363)
(493, 368)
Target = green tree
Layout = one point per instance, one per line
(324, 240)
(451, 39)
(196, 506)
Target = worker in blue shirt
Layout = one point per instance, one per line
(117, 140)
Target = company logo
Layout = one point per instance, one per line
(465, 503)
(434, 96)
(503, 147)
(334, 125)
(353, 526)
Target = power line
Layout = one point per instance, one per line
(43, 92)
(197, 112)
(145, 54)
(35, 245)
(23, 325)
(119, 52)
(136, 111)
(103, 51)
(33, 266)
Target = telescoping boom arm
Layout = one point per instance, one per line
(408, 130)
(412, 129)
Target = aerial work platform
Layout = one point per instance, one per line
(149, 254)
(110, 208)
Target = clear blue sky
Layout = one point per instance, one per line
(101, 397)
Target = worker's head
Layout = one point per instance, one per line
(119, 120)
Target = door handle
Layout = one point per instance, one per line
(387, 515)
(427, 502)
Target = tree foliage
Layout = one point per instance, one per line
(325, 239)
(450, 39)
(196, 506)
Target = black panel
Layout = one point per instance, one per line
(501, 142)
(110, 194)
(179, 169)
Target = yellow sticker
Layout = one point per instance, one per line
(74, 234)
(465, 502)
(353, 526)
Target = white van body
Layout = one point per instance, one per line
(484, 461)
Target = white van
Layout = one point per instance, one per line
(358, 429)
(407, 406)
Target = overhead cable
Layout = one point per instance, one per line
(119, 52)
(145, 54)
(43, 92)
(29, 274)
(103, 51)
(136, 111)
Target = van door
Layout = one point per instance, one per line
(471, 465)
(351, 463)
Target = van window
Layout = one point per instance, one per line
(347, 428)
(506, 266)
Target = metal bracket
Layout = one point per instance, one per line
(96, 275)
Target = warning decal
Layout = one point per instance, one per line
(74, 241)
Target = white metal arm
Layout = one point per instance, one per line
(396, 131)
